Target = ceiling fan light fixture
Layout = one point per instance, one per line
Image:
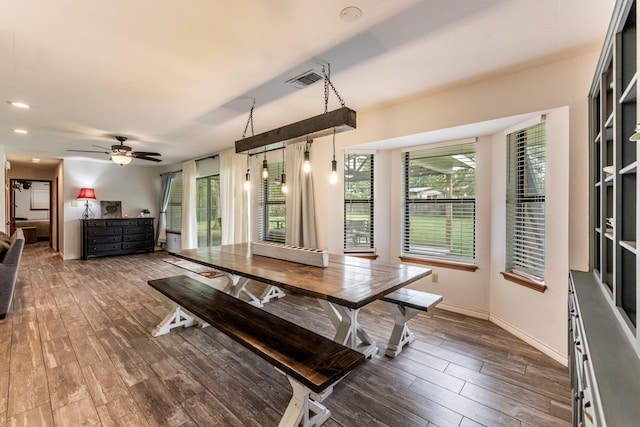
(121, 159)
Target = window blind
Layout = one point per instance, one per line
(438, 215)
(358, 203)
(174, 208)
(526, 181)
(272, 202)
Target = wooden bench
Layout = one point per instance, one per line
(404, 304)
(311, 362)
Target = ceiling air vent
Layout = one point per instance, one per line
(305, 79)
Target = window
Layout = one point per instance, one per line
(358, 203)
(174, 208)
(438, 212)
(525, 202)
(271, 213)
(207, 211)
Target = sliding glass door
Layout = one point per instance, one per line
(208, 211)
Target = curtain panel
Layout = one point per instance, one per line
(233, 197)
(165, 186)
(300, 214)
(189, 229)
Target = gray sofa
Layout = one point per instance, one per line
(10, 254)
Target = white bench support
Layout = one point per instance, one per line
(303, 410)
(400, 335)
(404, 304)
(177, 318)
(348, 330)
(271, 292)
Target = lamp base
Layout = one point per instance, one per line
(88, 213)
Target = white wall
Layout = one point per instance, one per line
(136, 187)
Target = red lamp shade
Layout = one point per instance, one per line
(87, 193)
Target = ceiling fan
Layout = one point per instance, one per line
(122, 154)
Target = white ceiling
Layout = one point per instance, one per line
(178, 77)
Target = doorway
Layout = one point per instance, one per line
(30, 208)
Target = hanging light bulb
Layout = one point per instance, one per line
(333, 178)
(247, 180)
(306, 166)
(265, 166)
(283, 177)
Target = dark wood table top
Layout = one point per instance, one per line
(347, 281)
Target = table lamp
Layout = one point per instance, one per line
(86, 194)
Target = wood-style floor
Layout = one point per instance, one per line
(76, 350)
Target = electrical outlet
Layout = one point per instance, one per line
(434, 277)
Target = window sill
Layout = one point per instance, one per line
(521, 280)
(370, 256)
(440, 263)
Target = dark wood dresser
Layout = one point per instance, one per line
(116, 236)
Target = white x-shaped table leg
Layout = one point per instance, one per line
(237, 285)
(348, 330)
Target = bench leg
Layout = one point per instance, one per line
(400, 335)
(271, 292)
(237, 286)
(178, 317)
(302, 410)
(348, 330)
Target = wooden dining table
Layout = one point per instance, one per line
(342, 288)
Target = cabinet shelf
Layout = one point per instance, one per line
(629, 169)
(629, 94)
(609, 122)
(609, 234)
(628, 245)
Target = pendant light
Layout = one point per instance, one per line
(306, 166)
(283, 177)
(265, 166)
(333, 178)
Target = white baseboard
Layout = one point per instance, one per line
(561, 358)
(461, 310)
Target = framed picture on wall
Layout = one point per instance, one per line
(111, 209)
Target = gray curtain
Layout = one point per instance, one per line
(161, 236)
(300, 222)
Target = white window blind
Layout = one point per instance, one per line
(174, 208)
(438, 215)
(526, 168)
(272, 202)
(358, 203)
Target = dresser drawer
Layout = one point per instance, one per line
(104, 247)
(92, 240)
(104, 231)
(146, 237)
(137, 230)
(137, 245)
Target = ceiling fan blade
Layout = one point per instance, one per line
(100, 146)
(153, 159)
(87, 151)
(144, 153)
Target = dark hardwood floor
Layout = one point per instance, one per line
(76, 350)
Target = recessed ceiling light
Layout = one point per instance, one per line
(22, 131)
(35, 160)
(19, 104)
(350, 13)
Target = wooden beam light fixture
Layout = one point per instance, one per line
(331, 122)
(342, 119)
